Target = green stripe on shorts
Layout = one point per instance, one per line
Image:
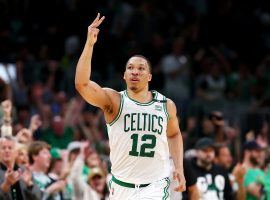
(166, 193)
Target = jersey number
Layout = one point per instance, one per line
(145, 150)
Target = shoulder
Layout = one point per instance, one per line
(220, 170)
(114, 98)
(113, 95)
(171, 108)
(112, 92)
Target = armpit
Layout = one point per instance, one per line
(108, 109)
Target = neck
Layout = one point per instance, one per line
(37, 168)
(142, 96)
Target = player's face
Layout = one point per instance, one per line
(137, 74)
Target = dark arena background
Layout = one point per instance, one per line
(212, 58)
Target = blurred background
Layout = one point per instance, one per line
(206, 55)
(210, 57)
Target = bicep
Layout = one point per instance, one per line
(96, 95)
(173, 124)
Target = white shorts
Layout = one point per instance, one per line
(158, 190)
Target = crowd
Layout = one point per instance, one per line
(59, 168)
(211, 58)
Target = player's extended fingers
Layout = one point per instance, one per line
(100, 21)
(96, 19)
(93, 24)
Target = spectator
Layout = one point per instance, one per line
(224, 134)
(22, 155)
(73, 150)
(176, 70)
(97, 180)
(212, 181)
(39, 157)
(96, 187)
(58, 135)
(6, 128)
(55, 169)
(200, 128)
(254, 177)
(15, 182)
(223, 156)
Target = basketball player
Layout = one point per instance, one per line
(142, 127)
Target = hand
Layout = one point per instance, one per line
(11, 176)
(24, 136)
(93, 30)
(179, 176)
(7, 107)
(85, 148)
(65, 172)
(27, 177)
(239, 172)
(35, 123)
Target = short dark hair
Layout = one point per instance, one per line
(143, 57)
(34, 149)
(204, 143)
(218, 147)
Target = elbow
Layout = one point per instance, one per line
(79, 86)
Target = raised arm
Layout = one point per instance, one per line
(175, 143)
(104, 98)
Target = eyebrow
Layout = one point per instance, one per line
(141, 64)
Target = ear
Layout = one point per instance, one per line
(149, 77)
(124, 76)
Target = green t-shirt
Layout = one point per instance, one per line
(60, 142)
(267, 184)
(253, 176)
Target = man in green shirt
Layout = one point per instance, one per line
(254, 178)
(58, 134)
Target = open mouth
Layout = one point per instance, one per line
(134, 80)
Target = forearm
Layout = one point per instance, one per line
(176, 150)
(241, 193)
(193, 192)
(83, 70)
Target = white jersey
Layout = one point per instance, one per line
(138, 140)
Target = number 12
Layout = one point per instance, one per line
(148, 145)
